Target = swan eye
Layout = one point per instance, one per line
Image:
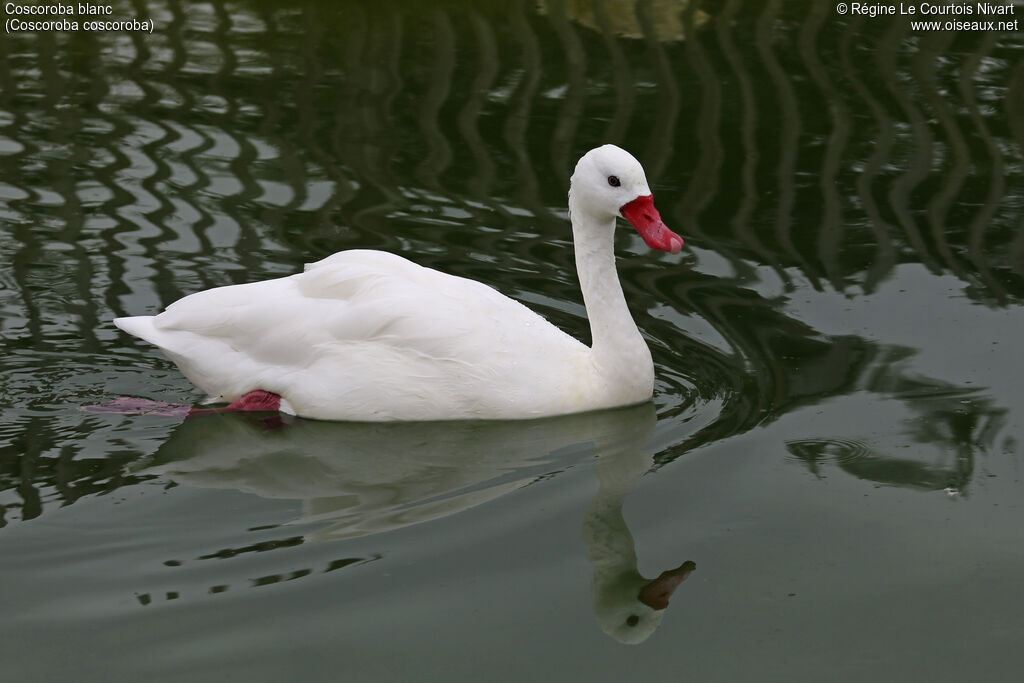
(613, 180)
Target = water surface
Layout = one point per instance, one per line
(834, 437)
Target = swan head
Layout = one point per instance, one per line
(629, 607)
(608, 182)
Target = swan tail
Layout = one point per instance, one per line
(140, 326)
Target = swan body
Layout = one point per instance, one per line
(369, 335)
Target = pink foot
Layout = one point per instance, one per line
(259, 400)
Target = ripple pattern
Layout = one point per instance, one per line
(792, 147)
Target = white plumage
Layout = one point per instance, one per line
(368, 335)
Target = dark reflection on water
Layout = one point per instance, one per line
(851, 191)
(961, 423)
(146, 599)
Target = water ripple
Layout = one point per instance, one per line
(797, 151)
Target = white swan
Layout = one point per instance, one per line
(368, 335)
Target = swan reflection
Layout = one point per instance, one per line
(628, 606)
(356, 479)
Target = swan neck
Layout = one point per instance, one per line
(614, 334)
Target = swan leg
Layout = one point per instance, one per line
(256, 401)
(128, 405)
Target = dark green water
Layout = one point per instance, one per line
(834, 438)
